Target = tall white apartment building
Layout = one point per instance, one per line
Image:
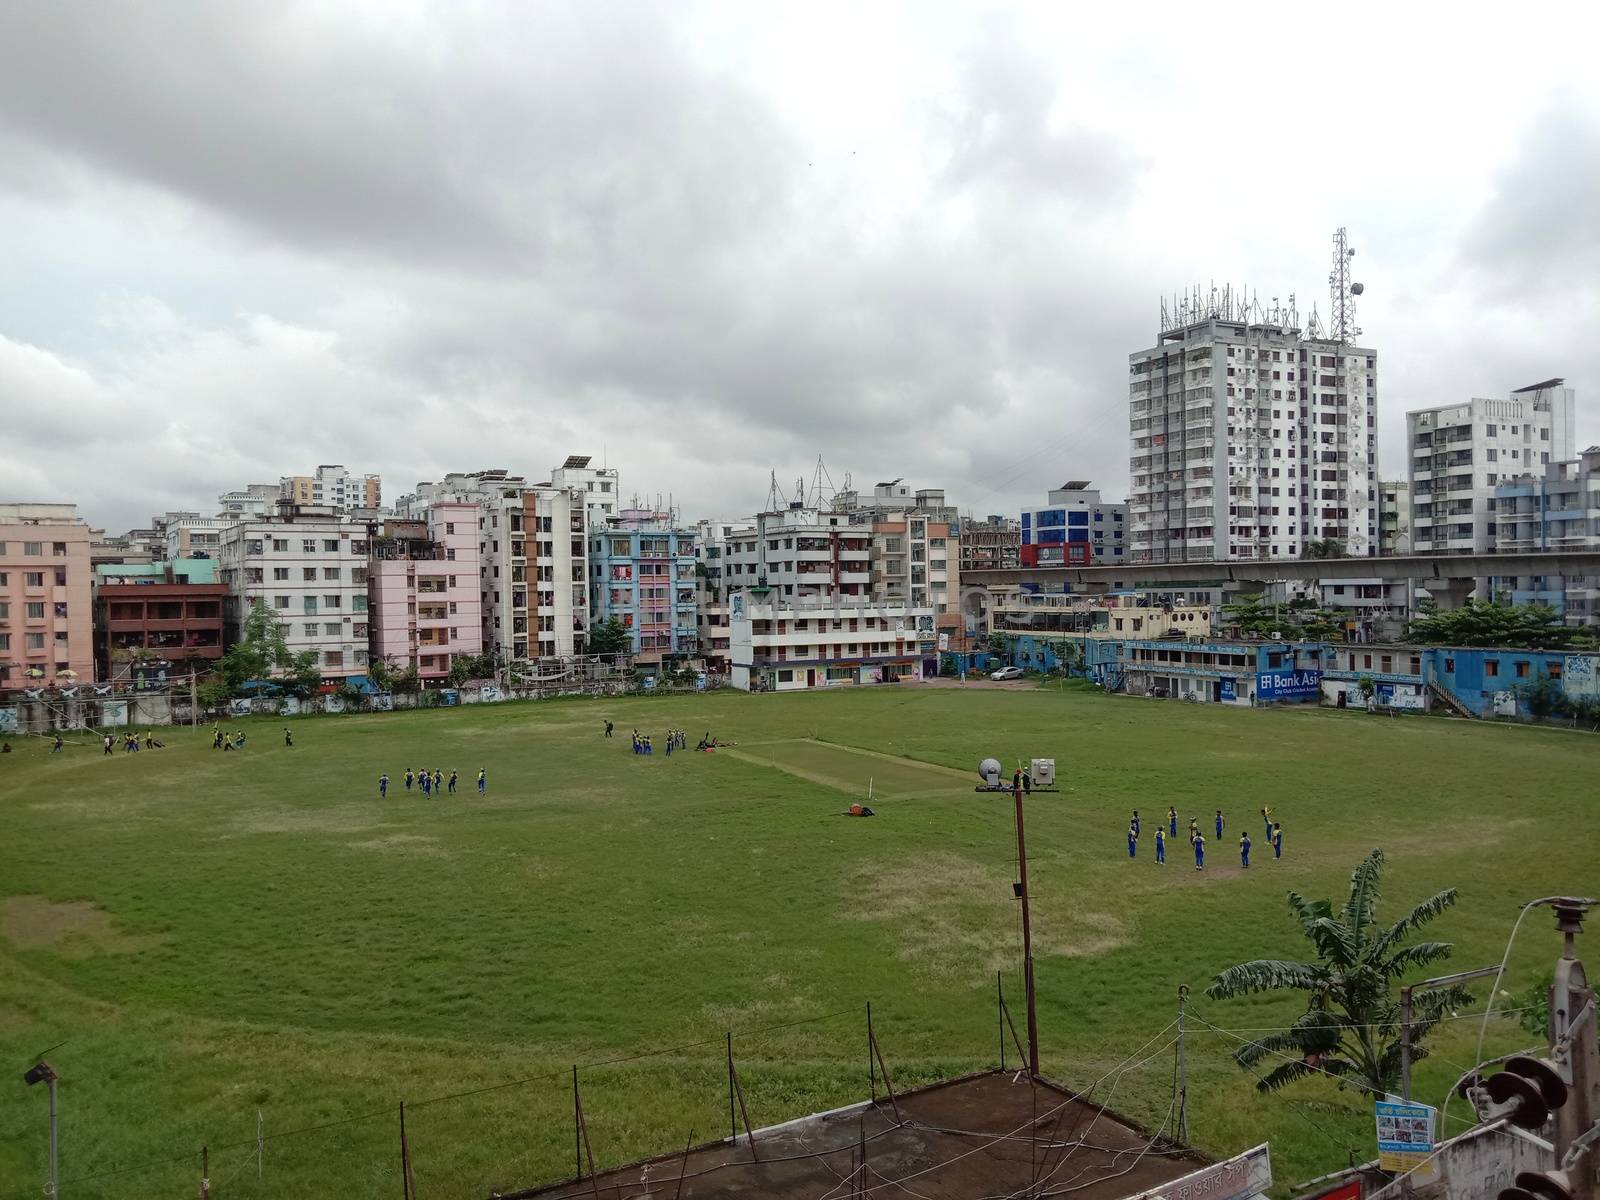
(334, 487)
(1457, 454)
(1250, 439)
(533, 563)
(309, 564)
(599, 485)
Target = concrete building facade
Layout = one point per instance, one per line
(1250, 439)
(1075, 526)
(711, 597)
(533, 550)
(1558, 509)
(46, 596)
(600, 486)
(642, 572)
(1394, 517)
(424, 605)
(309, 565)
(1457, 454)
(990, 544)
(801, 610)
(333, 486)
(158, 620)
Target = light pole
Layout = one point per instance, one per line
(43, 1072)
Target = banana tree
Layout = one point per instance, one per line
(1351, 1026)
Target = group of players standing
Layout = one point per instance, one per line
(433, 784)
(1197, 840)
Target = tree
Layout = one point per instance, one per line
(260, 651)
(1366, 687)
(1324, 548)
(302, 678)
(407, 682)
(1485, 623)
(1350, 1028)
(610, 637)
(382, 672)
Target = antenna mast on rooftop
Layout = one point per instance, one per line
(1342, 291)
(819, 479)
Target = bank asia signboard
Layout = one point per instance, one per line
(1288, 685)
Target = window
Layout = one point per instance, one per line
(449, 527)
(308, 545)
(330, 572)
(358, 603)
(33, 548)
(1491, 668)
(280, 602)
(5, 641)
(35, 611)
(331, 545)
(1450, 666)
(308, 574)
(35, 641)
(311, 629)
(1553, 668)
(333, 658)
(61, 577)
(1521, 669)
(309, 605)
(1488, 430)
(281, 545)
(59, 549)
(280, 573)
(786, 676)
(330, 601)
(33, 579)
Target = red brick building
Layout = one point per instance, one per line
(156, 620)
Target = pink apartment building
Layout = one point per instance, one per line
(46, 596)
(424, 605)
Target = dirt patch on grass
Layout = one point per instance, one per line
(72, 928)
(403, 843)
(952, 914)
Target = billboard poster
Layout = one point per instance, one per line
(488, 693)
(289, 706)
(8, 720)
(944, 641)
(1230, 689)
(1408, 701)
(1405, 1134)
(449, 697)
(113, 712)
(1288, 685)
(736, 606)
(382, 701)
(239, 706)
(1582, 675)
(332, 704)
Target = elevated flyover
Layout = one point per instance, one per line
(1449, 578)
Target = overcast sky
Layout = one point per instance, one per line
(712, 241)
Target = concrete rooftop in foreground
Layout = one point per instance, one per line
(965, 1138)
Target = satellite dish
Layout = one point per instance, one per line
(1357, 288)
(989, 771)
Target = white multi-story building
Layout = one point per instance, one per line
(800, 608)
(533, 563)
(1394, 517)
(1457, 454)
(711, 597)
(252, 500)
(334, 487)
(1249, 440)
(309, 564)
(599, 486)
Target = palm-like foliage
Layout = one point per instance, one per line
(1351, 1026)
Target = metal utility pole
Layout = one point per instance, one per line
(43, 1072)
(1405, 1016)
(1183, 1067)
(1577, 1056)
(1027, 930)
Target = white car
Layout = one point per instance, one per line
(1007, 673)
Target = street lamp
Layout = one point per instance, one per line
(43, 1072)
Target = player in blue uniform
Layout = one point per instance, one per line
(1172, 822)
(1277, 840)
(410, 775)
(1136, 828)
(1133, 841)
(1244, 850)
(383, 785)
(452, 781)
(1199, 852)
(483, 781)
(1219, 824)
(1161, 846)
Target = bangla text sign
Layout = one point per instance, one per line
(1244, 1175)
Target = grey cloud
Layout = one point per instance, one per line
(1540, 230)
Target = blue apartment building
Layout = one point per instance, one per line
(642, 571)
(1074, 528)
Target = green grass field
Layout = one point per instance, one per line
(215, 936)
